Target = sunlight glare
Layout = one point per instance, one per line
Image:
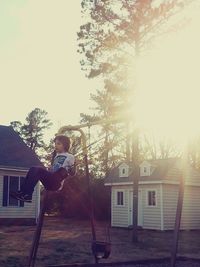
(168, 85)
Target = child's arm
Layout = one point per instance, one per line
(69, 165)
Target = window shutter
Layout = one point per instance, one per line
(5, 191)
(22, 179)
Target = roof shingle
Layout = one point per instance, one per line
(161, 167)
(14, 152)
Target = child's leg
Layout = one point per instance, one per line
(33, 176)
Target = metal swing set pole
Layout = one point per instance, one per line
(85, 154)
(179, 209)
(37, 234)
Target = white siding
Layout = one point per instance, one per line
(119, 213)
(29, 210)
(191, 175)
(191, 209)
(151, 215)
(170, 196)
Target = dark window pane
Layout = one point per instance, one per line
(120, 198)
(152, 198)
(5, 191)
(13, 186)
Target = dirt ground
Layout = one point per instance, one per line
(68, 241)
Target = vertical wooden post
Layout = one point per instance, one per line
(177, 221)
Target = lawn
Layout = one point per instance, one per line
(68, 241)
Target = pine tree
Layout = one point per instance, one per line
(114, 36)
(32, 131)
(111, 42)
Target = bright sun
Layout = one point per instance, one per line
(168, 89)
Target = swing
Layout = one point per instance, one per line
(100, 249)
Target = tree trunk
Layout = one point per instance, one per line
(135, 175)
(128, 141)
(135, 162)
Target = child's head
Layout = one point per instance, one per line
(62, 143)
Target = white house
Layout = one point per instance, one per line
(158, 194)
(15, 160)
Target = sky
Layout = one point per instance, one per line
(39, 63)
(39, 67)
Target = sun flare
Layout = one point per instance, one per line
(168, 85)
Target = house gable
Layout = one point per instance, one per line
(166, 171)
(146, 168)
(14, 153)
(123, 170)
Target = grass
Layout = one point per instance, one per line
(68, 241)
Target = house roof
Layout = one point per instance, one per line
(14, 153)
(160, 170)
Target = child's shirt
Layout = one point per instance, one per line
(65, 160)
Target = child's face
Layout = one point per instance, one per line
(59, 147)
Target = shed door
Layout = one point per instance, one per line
(140, 214)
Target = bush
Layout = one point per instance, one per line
(73, 200)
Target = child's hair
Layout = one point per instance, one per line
(66, 144)
(64, 140)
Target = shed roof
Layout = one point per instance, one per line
(160, 169)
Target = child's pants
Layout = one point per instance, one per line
(35, 174)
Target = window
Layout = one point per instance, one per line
(11, 183)
(151, 198)
(123, 170)
(145, 169)
(120, 198)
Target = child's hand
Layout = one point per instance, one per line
(72, 170)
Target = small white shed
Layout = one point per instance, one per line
(158, 194)
(15, 160)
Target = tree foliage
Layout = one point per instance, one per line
(32, 131)
(114, 35)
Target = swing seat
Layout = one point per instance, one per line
(101, 250)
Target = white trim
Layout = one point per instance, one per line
(151, 182)
(123, 183)
(161, 208)
(130, 212)
(37, 206)
(140, 207)
(147, 198)
(112, 204)
(11, 169)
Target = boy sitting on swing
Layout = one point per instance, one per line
(53, 179)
